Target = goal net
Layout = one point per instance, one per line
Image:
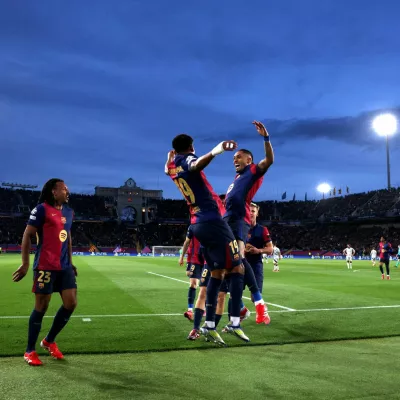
(166, 251)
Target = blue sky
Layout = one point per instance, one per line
(93, 92)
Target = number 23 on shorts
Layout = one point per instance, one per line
(44, 276)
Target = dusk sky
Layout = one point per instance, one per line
(94, 91)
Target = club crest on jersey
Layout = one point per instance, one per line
(63, 236)
(230, 188)
(63, 220)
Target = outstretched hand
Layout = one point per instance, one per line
(260, 128)
(20, 273)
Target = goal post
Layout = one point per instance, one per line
(166, 251)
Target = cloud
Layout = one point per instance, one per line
(349, 129)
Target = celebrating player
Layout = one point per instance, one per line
(276, 254)
(349, 253)
(53, 271)
(221, 248)
(373, 257)
(385, 249)
(258, 243)
(195, 263)
(248, 179)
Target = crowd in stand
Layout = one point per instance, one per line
(315, 227)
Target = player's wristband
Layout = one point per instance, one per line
(218, 149)
(266, 138)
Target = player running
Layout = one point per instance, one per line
(276, 255)
(248, 179)
(195, 263)
(385, 249)
(221, 249)
(373, 257)
(53, 271)
(349, 253)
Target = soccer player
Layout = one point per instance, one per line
(195, 263)
(53, 271)
(258, 243)
(398, 256)
(265, 258)
(248, 179)
(349, 253)
(373, 257)
(221, 248)
(276, 254)
(385, 249)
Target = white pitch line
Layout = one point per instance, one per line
(180, 314)
(247, 298)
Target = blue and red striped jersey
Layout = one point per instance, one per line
(204, 204)
(258, 237)
(196, 254)
(53, 229)
(241, 192)
(385, 255)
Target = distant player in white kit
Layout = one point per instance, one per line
(373, 257)
(349, 253)
(265, 258)
(276, 255)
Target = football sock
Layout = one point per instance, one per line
(381, 268)
(236, 290)
(387, 269)
(35, 324)
(217, 319)
(211, 300)
(198, 315)
(250, 280)
(191, 297)
(60, 320)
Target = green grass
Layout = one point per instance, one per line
(288, 359)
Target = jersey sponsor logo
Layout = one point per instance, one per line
(63, 236)
(230, 188)
(32, 217)
(63, 220)
(34, 211)
(53, 215)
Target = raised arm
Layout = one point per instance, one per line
(264, 164)
(200, 163)
(170, 158)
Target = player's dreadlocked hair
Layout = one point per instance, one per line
(248, 152)
(182, 143)
(47, 192)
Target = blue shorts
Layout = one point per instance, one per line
(240, 229)
(205, 276)
(258, 269)
(221, 249)
(194, 270)
(48, 282)
(384, 261)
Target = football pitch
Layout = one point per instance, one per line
(334, 334)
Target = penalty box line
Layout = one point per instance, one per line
(180, 314)
(247, 298)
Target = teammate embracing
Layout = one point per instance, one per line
(248, 179)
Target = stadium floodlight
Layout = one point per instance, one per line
(324, 188)
(385, 125)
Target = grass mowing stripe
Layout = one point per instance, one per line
(247, 298)
(180, 314)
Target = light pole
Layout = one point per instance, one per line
(324, 188)
(386, 125)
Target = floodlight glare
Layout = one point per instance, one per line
(324, 188)
(385, 124)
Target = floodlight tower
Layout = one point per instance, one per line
(386, 125)
(324, 188)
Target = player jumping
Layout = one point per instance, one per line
(385, 249)
(221, 248)
(248, 179)
(373, 257)
(53, 271)
(349, 253)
